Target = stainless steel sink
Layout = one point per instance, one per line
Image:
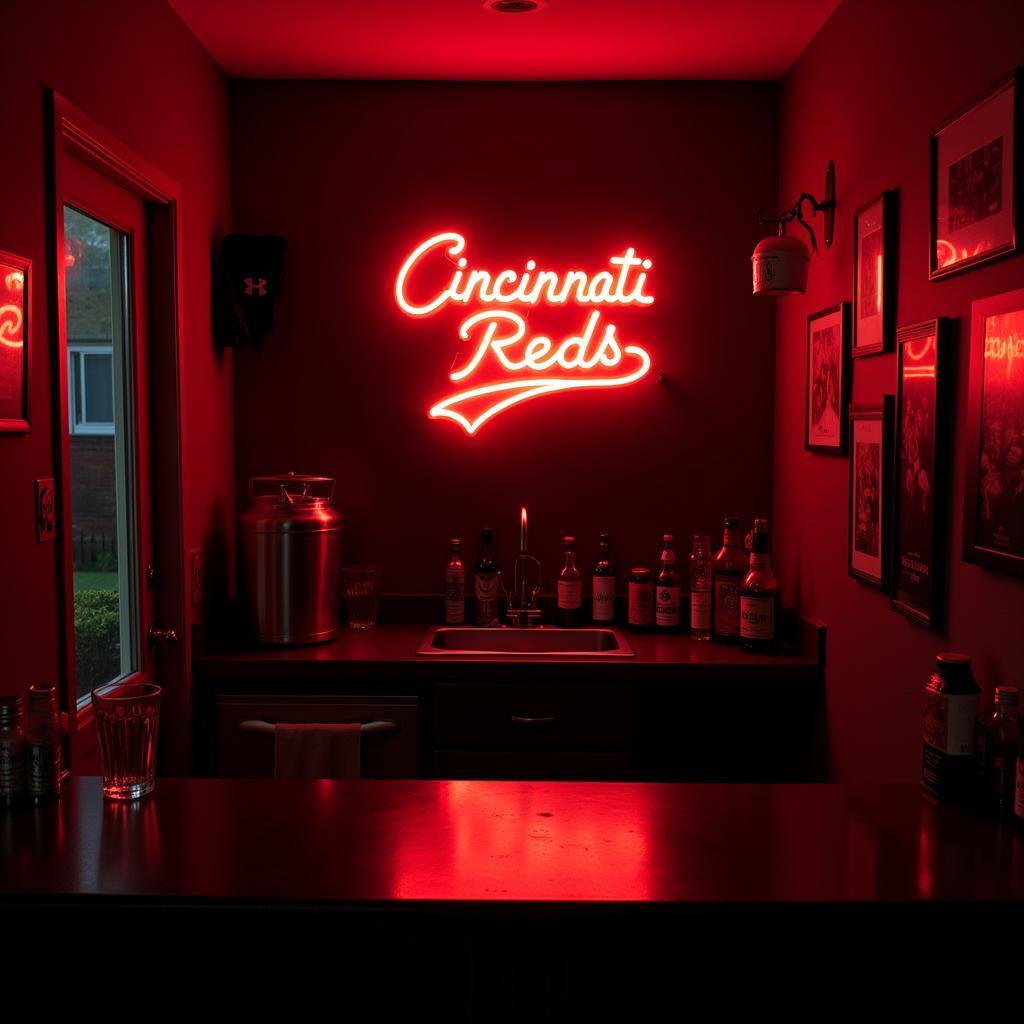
(540, 641)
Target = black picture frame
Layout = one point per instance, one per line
(15, 343)
(869, 545)
(874, 226)
(962, 235)
(993, 458)
(817, 438)
(920, 479)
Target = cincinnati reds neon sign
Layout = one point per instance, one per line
(511, 367)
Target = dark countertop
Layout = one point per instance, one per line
(390, 651)
(419, 843)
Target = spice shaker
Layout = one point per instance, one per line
(12, 750)
(42, 743)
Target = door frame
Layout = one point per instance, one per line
(72, 134)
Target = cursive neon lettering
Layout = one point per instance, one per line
(527, 365)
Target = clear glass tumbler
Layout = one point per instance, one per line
(361, 583)
(127, 725)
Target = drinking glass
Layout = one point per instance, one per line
(361, 583)
(127, 724)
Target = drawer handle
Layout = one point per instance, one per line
(253, 725)
(532, 719)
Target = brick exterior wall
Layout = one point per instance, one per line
(93, 497)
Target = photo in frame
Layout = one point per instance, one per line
(874, 275)
(828, 380)
(994, 470)
(976, 182)
(870, 492)
(15, 283)
(919, 488)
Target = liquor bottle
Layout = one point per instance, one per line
(951, 706)
(666, 601)
(602, 583)
(759, 597)
(1001, 737)
(455, 586)
(700, 587)
(641, 600)
(1018, 785)
(42, 743)
(485, 584)
(727, 572)
(570, 588)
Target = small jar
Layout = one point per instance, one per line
(12, 750)
(641, 600)
(951, 708)
(42, 743)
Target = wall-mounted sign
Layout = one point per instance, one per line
(503, 362)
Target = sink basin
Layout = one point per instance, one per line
(539, 641)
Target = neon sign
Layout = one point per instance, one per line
(512, 367)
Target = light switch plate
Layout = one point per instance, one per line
(195, 575)
(46, 510)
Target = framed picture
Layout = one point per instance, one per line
(828, 380)
(975, 182)
(874, 275)
(919, 520)
(994, 471)
(870, 487)
(15, 274)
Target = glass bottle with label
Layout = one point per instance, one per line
(727, 572)
(666, 591)
(602, 583)
(1018, 785)
(455, 586)
(700, 587)
(759, 597)
(485, 584)
(951, 706)
(12, 749)
(570, 588)
(641, 600)
(43, 754)
(998, 742)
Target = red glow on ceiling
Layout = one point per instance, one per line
(521, 368)
(569, 40)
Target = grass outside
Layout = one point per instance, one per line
(95, 581)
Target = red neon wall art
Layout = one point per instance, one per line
(505, 364)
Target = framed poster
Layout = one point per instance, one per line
(15, 275)
(994, 470)
(828, 380)
(874, 275)
(922, 427)
(870, 492)
(975, 182)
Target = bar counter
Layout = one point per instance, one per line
(408, 844)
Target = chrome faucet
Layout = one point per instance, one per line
(522, 599)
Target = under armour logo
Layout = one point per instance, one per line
(256, 287)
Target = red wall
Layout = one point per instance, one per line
(357, 174)
(866, 93)
(133, 67)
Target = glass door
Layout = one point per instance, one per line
(107, 430)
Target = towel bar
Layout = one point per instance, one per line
(255, 725)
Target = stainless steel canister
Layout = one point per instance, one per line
(291, 558)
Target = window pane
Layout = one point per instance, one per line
(102, 481)
(99, 388)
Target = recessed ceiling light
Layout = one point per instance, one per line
(515, 6)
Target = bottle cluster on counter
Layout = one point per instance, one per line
(734, 598)
(30, 747)
(968, 757)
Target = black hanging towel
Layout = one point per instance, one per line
(251, 269)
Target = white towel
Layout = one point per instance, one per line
(316, 751)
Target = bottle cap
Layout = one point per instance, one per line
(667, 538)
(951, 658)
(569, 541)
(455, 542)
(1009, 695)
(604, 538)
(732, 522)
(485, 535)
(10, 706)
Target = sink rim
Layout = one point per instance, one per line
(427, 645)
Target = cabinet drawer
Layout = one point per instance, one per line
(530, 764)
(528, 716)
(243, 753)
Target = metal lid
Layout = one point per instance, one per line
(291, 503)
